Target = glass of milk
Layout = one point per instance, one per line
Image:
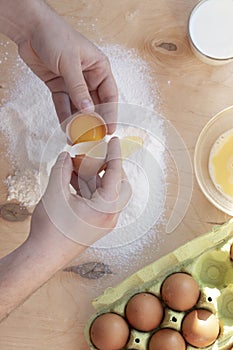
(210, 30)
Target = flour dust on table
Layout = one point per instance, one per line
(28, 120)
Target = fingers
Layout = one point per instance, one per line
(73, 108)
(125, 194)
(108, 112)
(77, 87)
(94, 183)
(95, 97)
(108, 96)
(62, 105)
(60, 176)
(102, 85)
(114, 193)
(88, 80)
(60, 97)
(107, 90)
(112, 176)
(80, 186)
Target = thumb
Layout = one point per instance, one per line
(60, 176)
(77, 88)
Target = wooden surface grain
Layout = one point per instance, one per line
(190, 93)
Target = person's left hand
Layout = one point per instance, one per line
(86, 216)
(77, 73)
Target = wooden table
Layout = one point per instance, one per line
(190, 94)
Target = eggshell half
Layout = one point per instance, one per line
(200, 328)
(86, 127)
(88, 157)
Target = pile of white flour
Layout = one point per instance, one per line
(28, 119)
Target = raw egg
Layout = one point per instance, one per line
(167, 339)
(144, 312)
(221, 164)
(129, 145)
(200, 328)
(86, 127)
(231, 252)
(180, 291)
(109, 331)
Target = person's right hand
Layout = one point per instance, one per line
(75, 70)
(90, 214)
(77, 73)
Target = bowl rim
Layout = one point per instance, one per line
(196, 171)
(212, 58)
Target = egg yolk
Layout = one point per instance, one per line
(221, 163)
(129, 145)
(86, 128)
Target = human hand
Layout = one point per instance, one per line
(77, 73)
(62, 226)
(78, 220)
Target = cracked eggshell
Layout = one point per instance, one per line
(200, 328)
(88, 157)
(86, 127)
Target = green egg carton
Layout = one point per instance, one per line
(207, 259)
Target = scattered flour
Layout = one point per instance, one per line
(24, 186)
(28, 119)
(133, 77)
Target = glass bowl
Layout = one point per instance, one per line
(218, 125)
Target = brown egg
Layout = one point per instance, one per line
(200, 328)
(87, 167)
(144, 311)
(180, 291)
(167, 339)
(231, 252)
(109, 331)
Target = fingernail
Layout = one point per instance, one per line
(87, 104)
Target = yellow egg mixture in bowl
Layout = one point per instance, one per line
(213, 160)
